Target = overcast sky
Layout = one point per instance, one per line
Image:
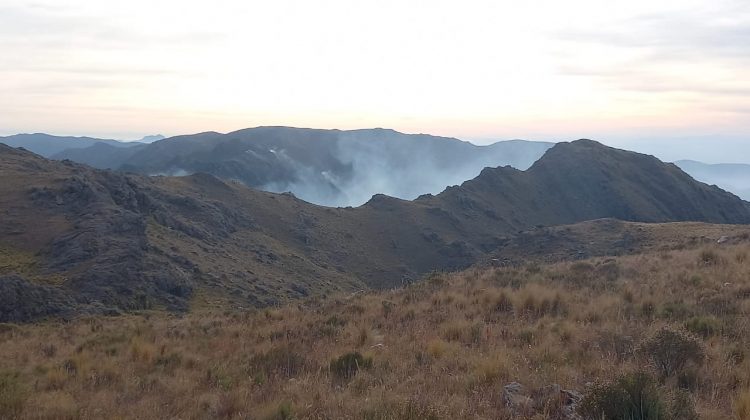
(621, 72)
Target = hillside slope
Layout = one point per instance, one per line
(447, 348)
(74, 239)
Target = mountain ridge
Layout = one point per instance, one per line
(351, 166)
(327, 167)
(87, 240)
(49, 145)
(733, 177)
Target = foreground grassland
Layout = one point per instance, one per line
(673, 325)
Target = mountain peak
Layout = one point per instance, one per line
(568, 155)
(580, 145)
(584, 180)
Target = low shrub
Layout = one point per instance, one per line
(104, 375)
(536, 306)
(387, 308)
(671, 350)
(454, 331)
(709, 257)
(675, 311)
(346, 366)
(615, 344)
(736, 354)
(335, 321)
(683, 406)
(648, 309)
(48, 350)
(503, 303)
(526, 336)
(281, 360)
(689, 379)
(169, 362)
(464, 332)
(634, 396)
(703, 326)
(283, 412)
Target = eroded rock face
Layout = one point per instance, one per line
(551, 401)
(21, 300)
(516, 397)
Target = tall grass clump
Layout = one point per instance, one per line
(346, 366)
(13, 395)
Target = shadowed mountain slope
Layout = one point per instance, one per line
(99, 155)
(585, 180)
(75, 239)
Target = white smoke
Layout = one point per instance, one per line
(397, 165)
(171, 172)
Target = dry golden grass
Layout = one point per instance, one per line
(442, 348)
(742, 405)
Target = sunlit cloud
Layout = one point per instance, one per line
(477, 69)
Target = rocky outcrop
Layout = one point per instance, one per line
(21, 300)
(551, 401)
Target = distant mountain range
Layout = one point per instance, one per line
(326, 167)
(100, 155)
(48, 145)
(74, 239)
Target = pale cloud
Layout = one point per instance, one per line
(703, 51)
(681, 35)
(545, 69)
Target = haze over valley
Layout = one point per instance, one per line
(327, 167)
